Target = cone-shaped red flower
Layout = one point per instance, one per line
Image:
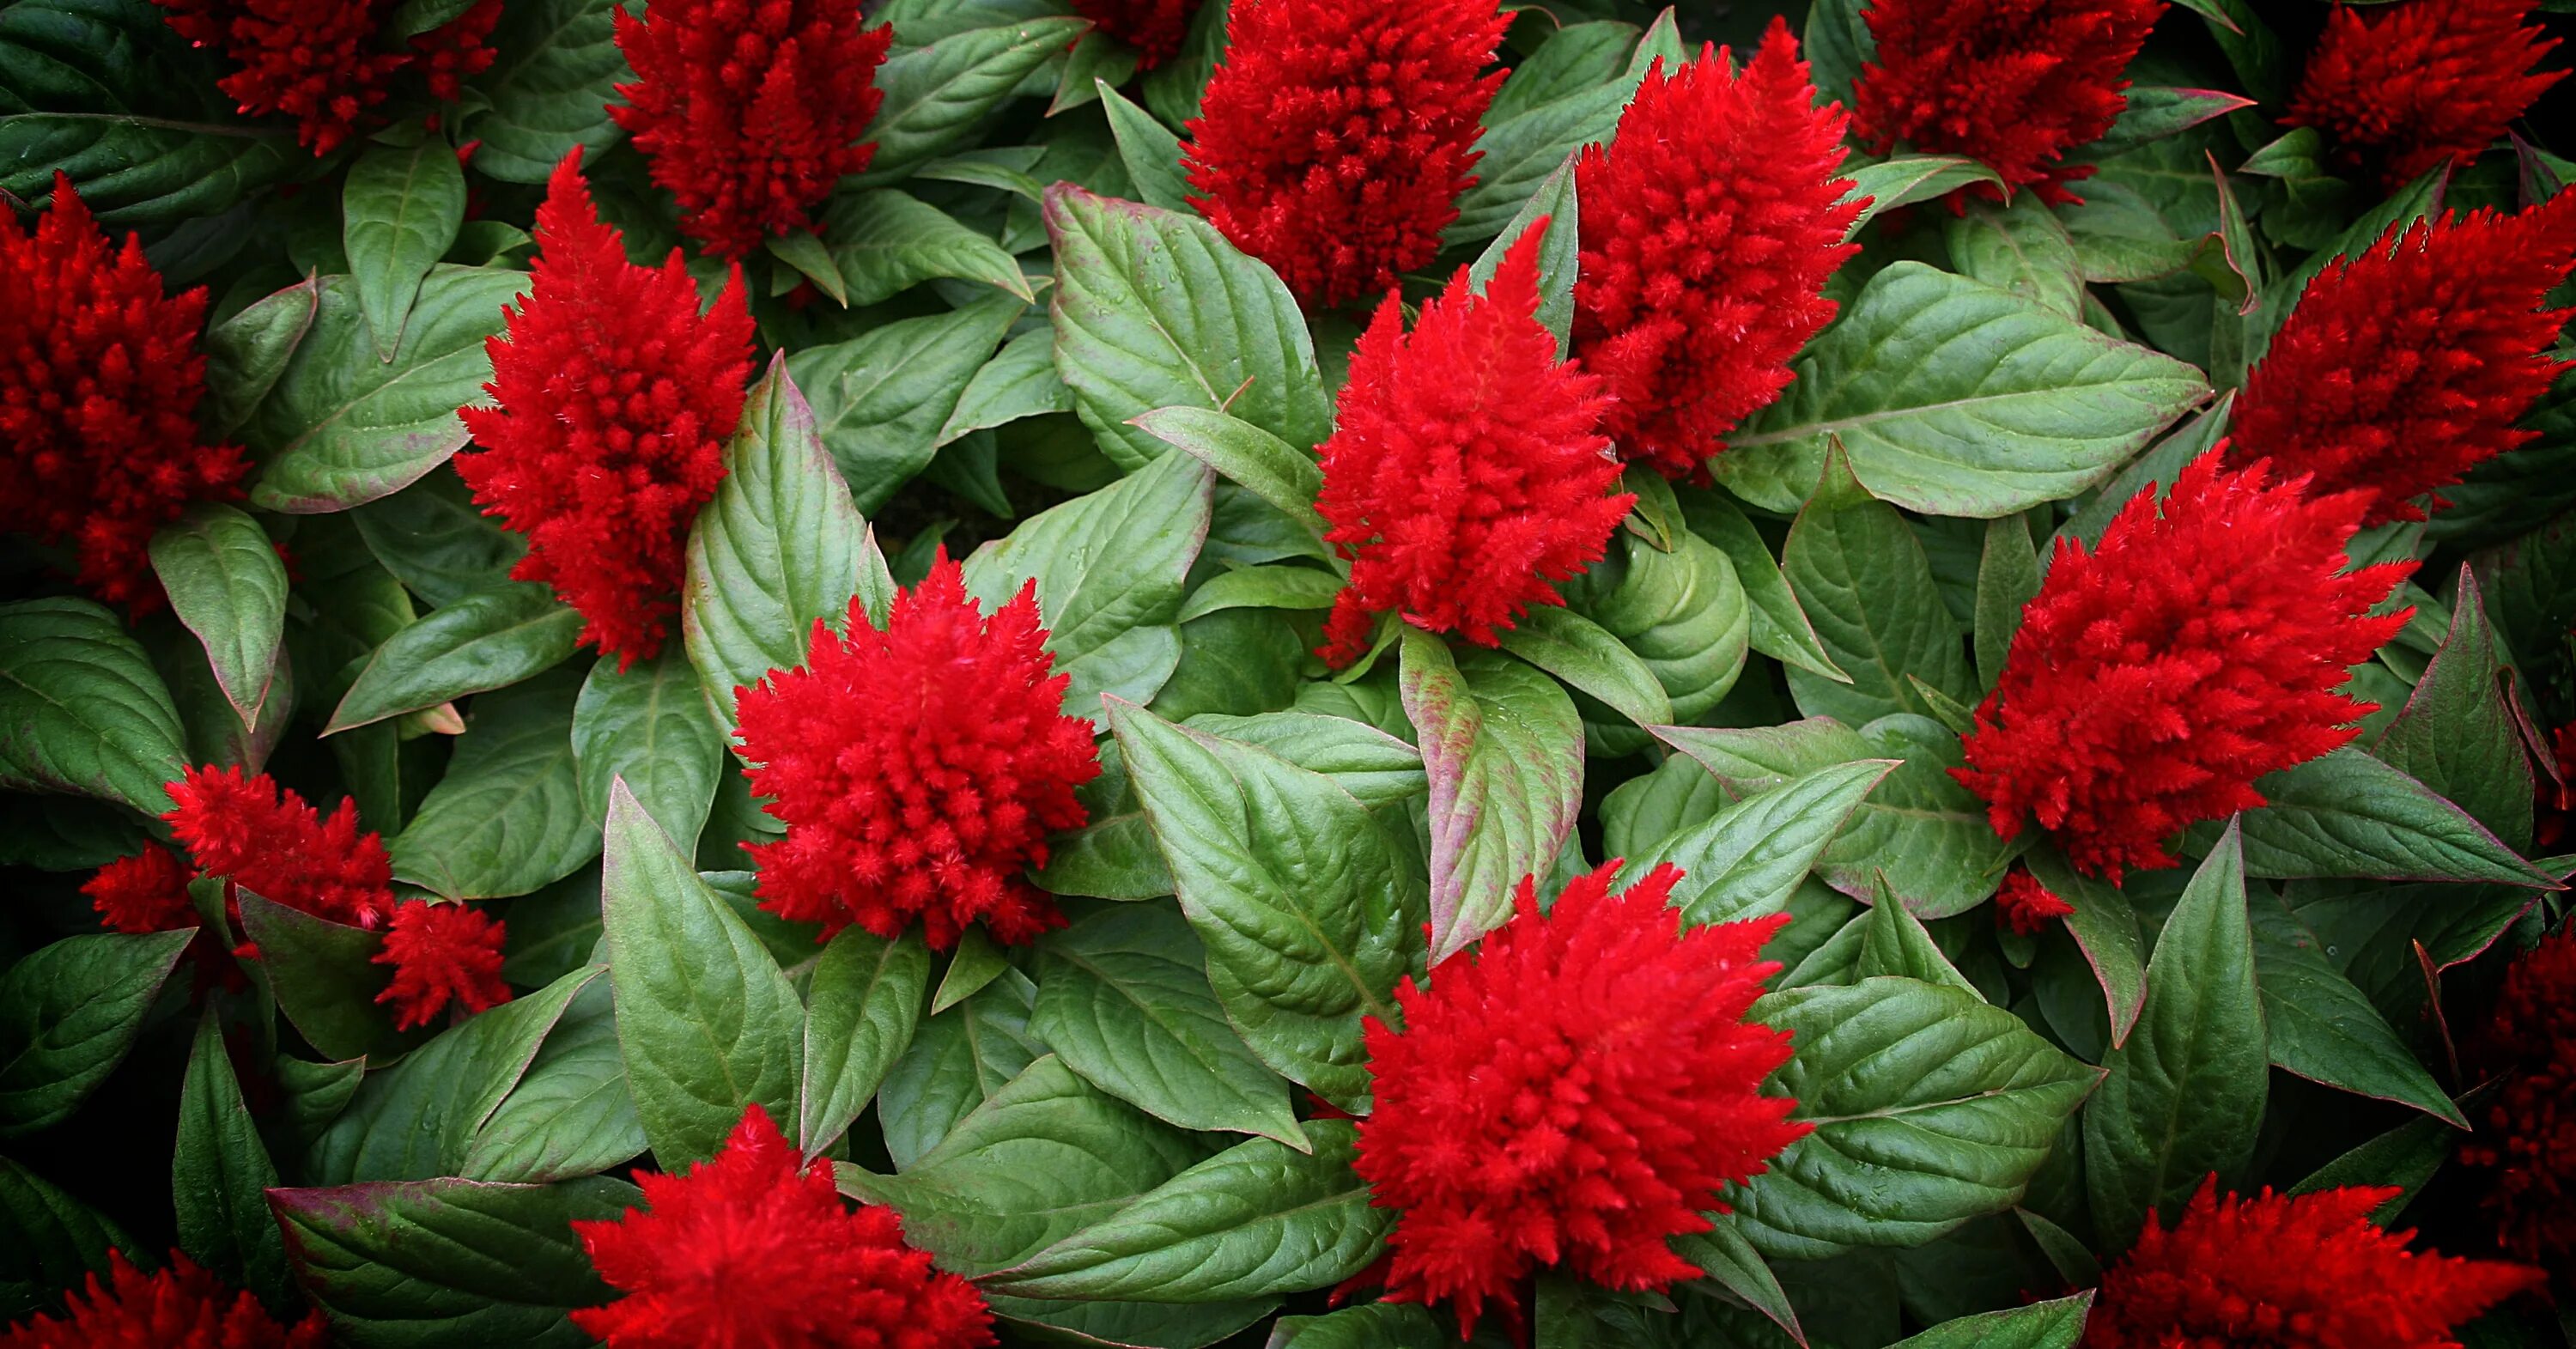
(613, 397)
(919, 768)
(2013, 84)
(1464, 475)
(327, 62)
(181, 1307)
(750, 110)
(147, 892)
(99, 382)
(1573, 1092)
(2404, 368)
(2309, 1272)
(1709, 227)
(2402, 88)
(749, 1250)
(2156, 677)
(2525, 1146)
(1335, 138)
(441, 953)
(1154, 28)
(265, 839)
(2025, 906)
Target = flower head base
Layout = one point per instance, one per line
(918, 768)
(182, 1307)
(751, 1251)
(1709, 227)
(327, 62)
(2526, 1143)
(100, 377)
(1154, 28)
(1575, 1092)
(2197, 649)
(2404, 368)
(1335, 138)
(2417, 84)
(1464, 475)
(441, 953)
(263, 838)
(2026, 907)
(614, 398)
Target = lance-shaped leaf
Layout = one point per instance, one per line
(508, 818)
(486, 640)
(399, 211)
(2348, 814)
(326, 979)
(69, 1012)
(81, 710)
(2322, 1028)
(220, 1175)
(866, 1002)
(2456, 734)
(1503, 747)
(2042, 1325)
(227, 585)
(649, 725)
(937, 96)
(2105, 928)
(1746, 860)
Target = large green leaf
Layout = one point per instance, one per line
(509, 816)
(1020, 381)
(1503, 748)
(2105, 928)
(1863, 580)
(2021, 247)
(81, 710)
(220, 1174)
(1746, 860)
(937, 97)
(326, 980)
(1682, 613)
(2457, 734)
(2322, 1028)
(570, 1114)
(436, 541)
(1244, 454)
(649, 725)
(881, 399)
(865, 1005)
(1779, 628)
(887, 241)
(957, 1061)
(227, 585)
(399, 211)
(1563, 96)
(68, 1014)
(246, 353)
(486, 640)
(549, 89)
(2348, 814)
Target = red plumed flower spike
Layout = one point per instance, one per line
(2525, 1146)
(1154, 28)
(919, 768)
(147, 892)
(748, 1250)
(2013, 84)
(1335, 138)
(182, 1307)
(2025, 906)
(2304, 1272)
(441, 953)
(2404, 368)
(100, 377)
(326, 63)
(1464, 475)
(264, 839)
(2197, 649)
(1573, 1093)
(2415, 84)
(1709, 227)
(614, 397)
(750, 110)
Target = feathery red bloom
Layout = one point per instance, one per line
(2025, 906)
(1154, 28)
(2304, 1272)
(1575, 1091)
(2404, 368)
(2417, 83)
(99, 381)
(614, 397)
(265, 839)
(441, 953)
(1709, 227)
(1464, 474)
(147, 892)
(182, 1307)
(748, 1251)
(2156, 677)
(919, 768)
(2526, 1145)
(1335, 138)
(2013, 84)
(750, 110)
(326, 62)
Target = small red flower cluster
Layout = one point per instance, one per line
(100, 377)
(751, 1251)
(326, 62)
(2422, 82)
(182, 1307)
(615, 396)
(2025, 906)
(1154, 28)
(441, 953)
(2526, 1145)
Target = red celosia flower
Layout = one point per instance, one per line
(2417, 83)
(750, 110)
(441, 952)
(99, 381)
(1153, 27)
(2527, 1145)
(2013, 84)
(1574, 1092)
(147, 892)
(182, 1307)
(748, 1251)
(2309, 1272)
(918, 768)
(1335, 138)
(266, 840)
(326, 62)
(614, 396)
(2156, 677)
(1709, 227)
(2025, 906)
(2407, 366)
(1464, 475)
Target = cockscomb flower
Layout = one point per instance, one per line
(2303, 1272)
(1709, 227)
(441, 953)
(2013, 84)
(1154, 28)
(1573, 1092)
(265, 839)
(327, 62)
(1335, 138)
(147, 892)
(612, 398)
(2525, 1145)
(918, 768)
(750, 110)
(2025, 906)
(2407, 366)
(181, 1307)
(100, 377)
(1464, 474)
(2421, 82)
(2197, 649)
(750, 1251)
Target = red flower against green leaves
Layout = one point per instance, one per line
(1335, 138)
(182, 1307)
(99, 382)
(2197, 649)
(2025, 906)
(2309, 1272)
(2404, 368)
(1709, 227)
(750, 110)
(147, 892)
(748, 1251)
(1154, 28)
(327, 62)
(1464, 475)
(2013, 84)
(2525, 1146)
(919, 768)
(265, 839)
(441, 953)
(613, 398)
(2405, 87)
(1573, 1092)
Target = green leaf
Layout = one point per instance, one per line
(1908, 179)
(549, 89)
(2456, 734)
(1150, 151)
(1504, 750)
(1254, 459)
(68, 1014)
(227, 585)
(1861, 577)
(2022, 248)
(1018, 382)
(1098, 63)
(1779, 628)
(880, 399)
(2406, 1157)
(1370, 1325)
(2041, 1325)
(1895, 942)
(81, 710)
(220, 1175)
(2105, 928)
(49, 1242)
(1268, 587)
(2153, 112)
(957, 1060)
(977, 961)
(246, 353)
(399, 212)
(436, 541)
(2007, 578)
(2348, 814)
(487, 640)
(807, 256)
(325, 978)
(1566, 95)
(885, 242)
(571, 1114)
(1726, 1258)
(1682, 612)
(866, 1004)
(1587, 656)
(509, 816)
(938, 97)
(2322, 1028)
(1746, 860)
(648, 725)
